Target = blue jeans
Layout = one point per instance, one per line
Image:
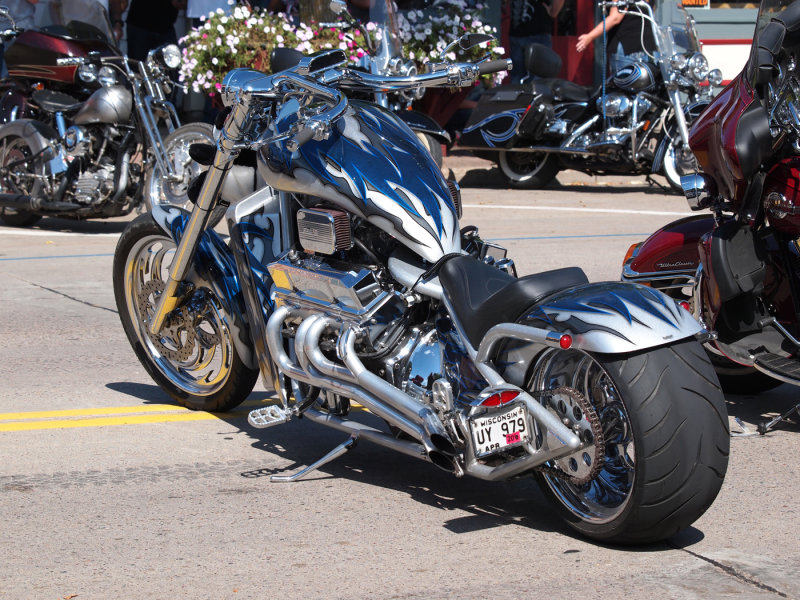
(518, 45)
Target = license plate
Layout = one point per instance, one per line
(499, 431)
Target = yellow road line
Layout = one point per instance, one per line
(105, 421)
(127, 415)
(83, 412)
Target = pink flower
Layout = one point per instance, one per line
(204, 36)
(341, 36)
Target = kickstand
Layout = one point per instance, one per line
(333, 454)
(649, 179)
(745, 432)
(768, 425)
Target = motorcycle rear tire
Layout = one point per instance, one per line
(175, 194)
(211, 377)
(528, 170)
(14, 148)
(666, 441)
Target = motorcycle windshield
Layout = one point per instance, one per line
(77, 19)
(382, 12)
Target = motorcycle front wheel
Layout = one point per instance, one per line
(20, 179)
(193, 358)
(161, 190)
(663, 441)
(528, 170)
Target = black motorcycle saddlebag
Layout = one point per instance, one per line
(737, 257)
(493, 122)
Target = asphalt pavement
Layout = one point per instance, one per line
(109, 490)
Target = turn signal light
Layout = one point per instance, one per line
(629, 253)
(499, 398)
(565, 341)
(685, 305)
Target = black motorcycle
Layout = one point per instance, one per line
(82, 124)
(636, 123)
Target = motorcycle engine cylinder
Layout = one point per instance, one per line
(76, 141)
(615, 104)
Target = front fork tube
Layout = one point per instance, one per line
(209, 195)
(680, 118)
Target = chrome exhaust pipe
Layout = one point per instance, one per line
(307, 346)
(424, 426)
(432, 425)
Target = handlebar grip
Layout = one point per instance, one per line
(303, 136)
(494, 66)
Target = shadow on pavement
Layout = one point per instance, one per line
(487, 505)
(88, 227)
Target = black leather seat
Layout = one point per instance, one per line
(52, 101)
(483, 296)
(562, 90)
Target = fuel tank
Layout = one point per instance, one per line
(636, 77)
(372, 165)
(35, 54)
(107, 105)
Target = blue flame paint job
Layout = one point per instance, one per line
(374, 166)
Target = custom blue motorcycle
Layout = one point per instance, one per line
(347, 282)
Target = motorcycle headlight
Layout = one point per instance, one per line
(107, 76)
(715, 77)
(168, 56)
(678, 62)
(698, 66)
(88, 72)
(171, 56)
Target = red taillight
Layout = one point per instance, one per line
(565, 341)
(499, 398)
(685, 305)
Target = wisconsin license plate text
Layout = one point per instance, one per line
(499, 430)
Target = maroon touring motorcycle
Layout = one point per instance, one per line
(738, 269)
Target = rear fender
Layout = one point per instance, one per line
(40, 138)
(607, 318)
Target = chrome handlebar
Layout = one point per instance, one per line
(243, 86)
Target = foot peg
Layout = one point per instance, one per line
(268, 416)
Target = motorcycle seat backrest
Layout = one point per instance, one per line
(542, 61)
(483, 296)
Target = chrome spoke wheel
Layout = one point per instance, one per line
(605, 496)
(194, 350)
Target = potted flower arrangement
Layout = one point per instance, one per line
(245, 38)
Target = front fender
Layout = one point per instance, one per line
(214, 266)
(691, 112)
(607, 318)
